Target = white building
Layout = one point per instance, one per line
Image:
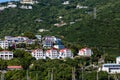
(28, 1)
(11, 5)
(66, 3)
(118, 60)
(60, 24)
(64, 53)
(39, 37)
(17, 39)
(2, 8)
(25, 7)
(47, 44)
(6, 55)
(81, 7)
(30, 41)
(85, 52)
(50, 38)
(52, 54)
(4, 44)
(21, 39)
(41, 30)
(112, 68)
(38, 54)
(11, 39)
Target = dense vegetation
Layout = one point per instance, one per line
(102, 31)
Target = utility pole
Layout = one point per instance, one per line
(97, 75)
(73, 74)
(27, 75)
(36, 76)
(95, 15)
(52, 74)
(115, 77)
(82, 74)
(48, 75)
(2, 76)
(108, 77)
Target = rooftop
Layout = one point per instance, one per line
(14, 67)
(118, 57)
(111, 64)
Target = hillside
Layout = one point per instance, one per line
(104, 31)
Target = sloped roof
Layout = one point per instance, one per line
(37, 50)
(48, 51)
(62, 50)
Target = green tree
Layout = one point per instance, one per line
(25, 58)
(3, 64)
(29, 35)
(14, 61)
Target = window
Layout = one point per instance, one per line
(112, 65)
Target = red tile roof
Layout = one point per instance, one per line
(37, 50)
(14, 67)
(62, 50)
(84, 49)
(48, 51)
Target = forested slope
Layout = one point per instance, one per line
(103, 31)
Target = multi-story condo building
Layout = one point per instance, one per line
(47, 44)
(11, 39)
(52, 54)
(64, 53)
(6, 55)
(4, 44)
(18, 39)
(38, 54)
(112, 68)
(85, 52)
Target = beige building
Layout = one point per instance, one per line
(26, 1)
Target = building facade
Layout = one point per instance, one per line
(112, 68)
(39, 37)
(47, 44)
(6, 55)
(64, 53)
(38, 54)
(18, 39)
(85, 52)
(4, 44)
(52, 54)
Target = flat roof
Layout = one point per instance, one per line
(118, 57)
(111, 64)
